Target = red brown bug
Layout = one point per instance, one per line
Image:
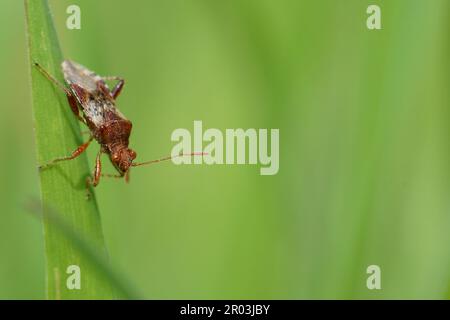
(89, 93)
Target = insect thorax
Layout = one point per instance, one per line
(114, 134)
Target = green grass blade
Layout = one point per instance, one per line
(101, 263)
(62, 186)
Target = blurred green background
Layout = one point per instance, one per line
(364, 119)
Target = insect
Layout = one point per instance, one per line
(88, 92)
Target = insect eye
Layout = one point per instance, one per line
(132, 154)
(115, 157)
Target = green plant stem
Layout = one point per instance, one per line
(62, 186)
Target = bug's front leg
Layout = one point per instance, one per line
(97, 171)
(74, 154)
(97, 174)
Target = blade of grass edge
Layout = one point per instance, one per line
(101, 263)
(62, 187)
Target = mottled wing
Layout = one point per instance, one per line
(75, 73)
(92, 94)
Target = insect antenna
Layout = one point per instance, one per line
(169, 158)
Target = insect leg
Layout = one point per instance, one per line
(97, 174)
(118, 176)
(118, 87)
(74, 154)
(70, 97)
(109, 175)
(97, 171)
